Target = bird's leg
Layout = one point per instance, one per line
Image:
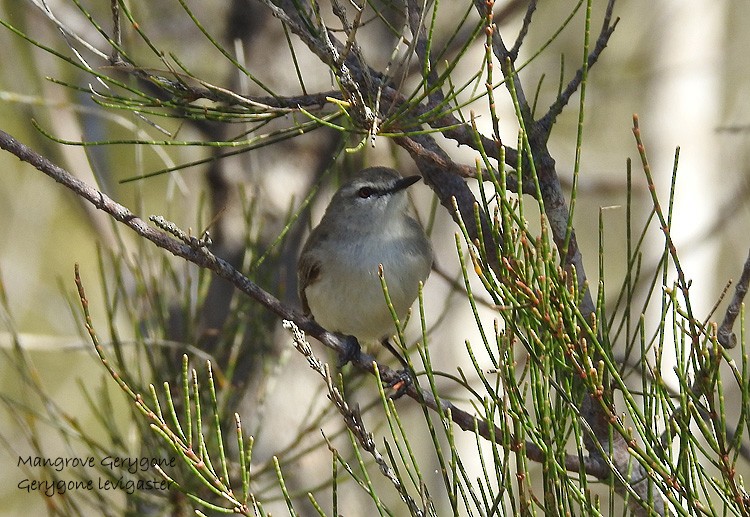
(387, 344)
(403, 377)
(351, 350)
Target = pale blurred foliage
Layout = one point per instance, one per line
(681, 65)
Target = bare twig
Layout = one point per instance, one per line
(115, 56)
(726, 336)
(608, 27)
(513, 52)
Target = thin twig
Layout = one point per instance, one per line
(726, 336)
(513, 52)
(608, 27)
(416, 15)
(115, 56)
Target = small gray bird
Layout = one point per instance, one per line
(365, 225)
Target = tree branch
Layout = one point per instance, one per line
(726, 336)
(436, 169)
(605, 33)
(513, 52)
(193, 250)
(558, 214)
(553, 197)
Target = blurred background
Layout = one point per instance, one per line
(680, 65)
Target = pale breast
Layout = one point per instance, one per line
(348, 297)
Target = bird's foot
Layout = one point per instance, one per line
(387, 344)
(402, 380)
(350, 351)
(400, 384)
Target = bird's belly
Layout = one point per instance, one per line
(352, 300)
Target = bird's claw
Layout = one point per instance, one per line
(351, 350)
(400, 384)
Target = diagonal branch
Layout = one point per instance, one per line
(608, 27)
(513, 52)
(194, 251)
(433, 163)
(726, 335)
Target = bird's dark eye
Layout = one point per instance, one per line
(365, 192)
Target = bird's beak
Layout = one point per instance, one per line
(406, 182)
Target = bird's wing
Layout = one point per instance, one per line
(308, 272)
